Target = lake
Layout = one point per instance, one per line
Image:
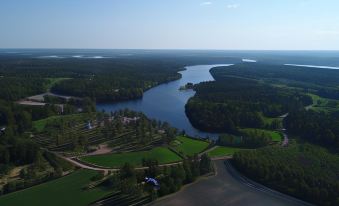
(166, 103)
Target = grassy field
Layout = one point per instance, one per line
(269, 120)
(188, 146)
(323, 104)
(275, 135)
(161, 154)
(39, 125)
(64, 191)
(220, 151)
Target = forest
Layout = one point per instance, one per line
(322, 83)
(305, 171)
(110, 79)
(316, 127)
(231, 102)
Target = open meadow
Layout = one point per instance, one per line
(161, 154)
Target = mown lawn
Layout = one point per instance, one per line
(188, 146)
(275, 135)
(220, 151)
(63, 191)
(161, 154)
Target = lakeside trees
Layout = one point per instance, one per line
(231, 102)
(106, 79)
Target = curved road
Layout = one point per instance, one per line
(227, 188)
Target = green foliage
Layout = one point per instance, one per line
(305, 171)
(269, 134)
(188, 146)
(323, 83)
(246, 141)
(319, 128)
(176, 176)
(232, 102)
(18, 150)
(15, 88)
(40, 125)
(220, 151)
(64, 191)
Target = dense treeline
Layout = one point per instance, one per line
(323, 83)
(232, 102)
(304, 171)
(15, 88)
(103, 88)
(317, 127)
(328, 77)
(16, 151)
(250, 140)
(106, 79)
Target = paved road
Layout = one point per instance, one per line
(226, 189)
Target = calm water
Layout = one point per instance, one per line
(165, 102)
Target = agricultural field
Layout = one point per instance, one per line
(63, 191)
(275, 135)
(161, 154)
(188, 146)
(220, 151)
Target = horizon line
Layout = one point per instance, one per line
(166, 49)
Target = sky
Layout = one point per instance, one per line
(171, 24)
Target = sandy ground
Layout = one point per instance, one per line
(224, 189)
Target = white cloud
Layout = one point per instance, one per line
(232, 6)
(205, 3)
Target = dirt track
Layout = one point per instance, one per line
(224, 189)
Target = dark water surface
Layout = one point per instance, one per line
(166, 103)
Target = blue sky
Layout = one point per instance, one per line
(170, 24)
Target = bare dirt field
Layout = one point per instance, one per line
(226, 189)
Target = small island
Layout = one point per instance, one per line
(187, 86)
